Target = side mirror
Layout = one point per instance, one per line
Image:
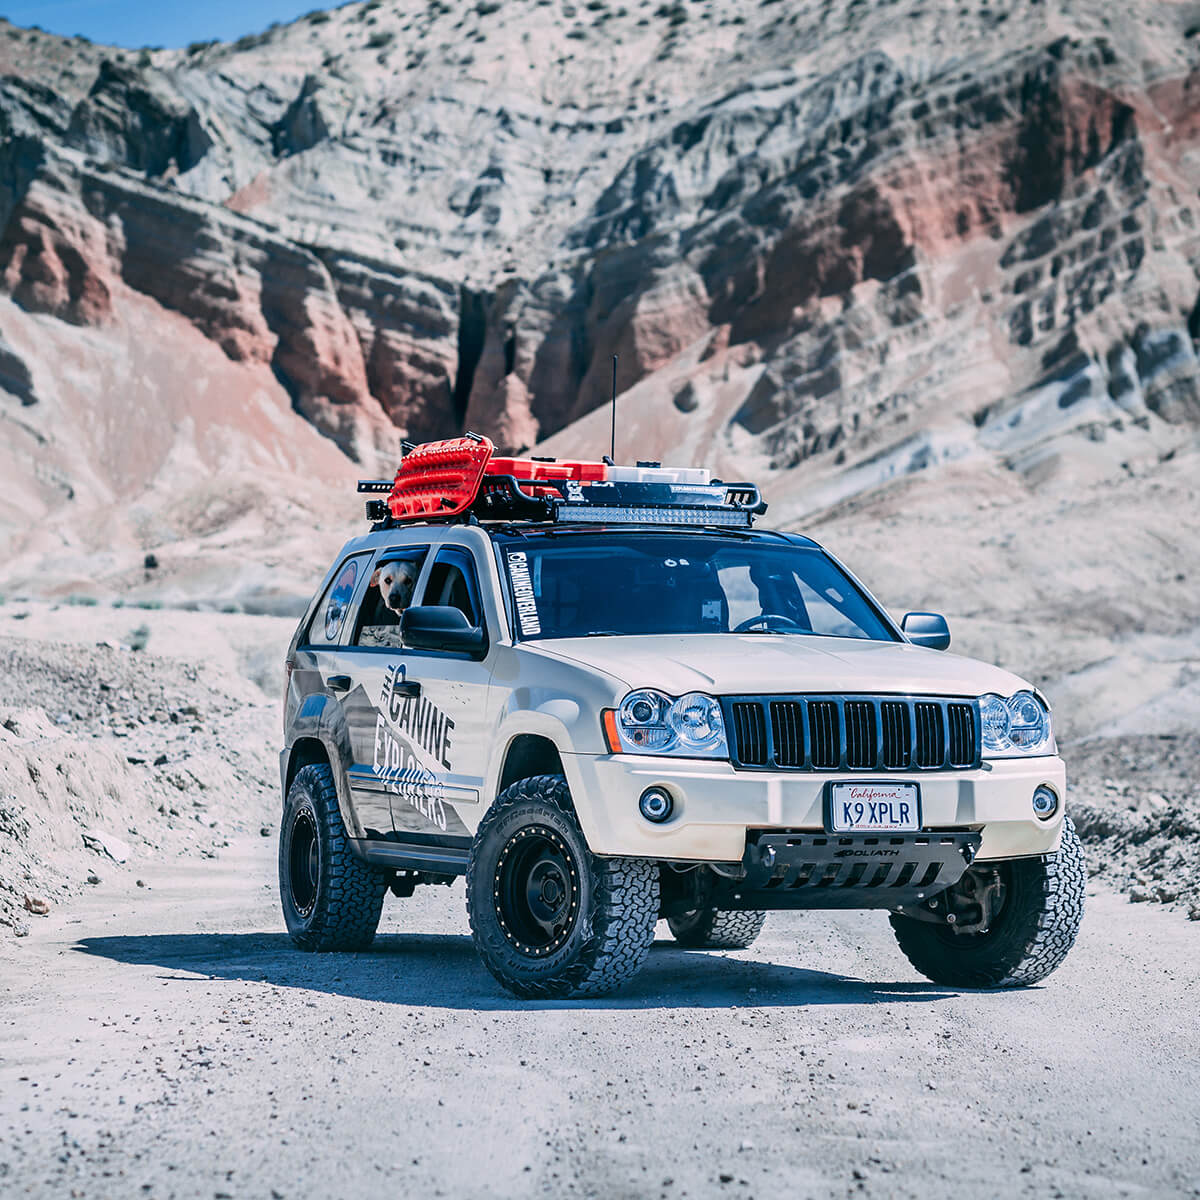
(927, 629)
(441, 627)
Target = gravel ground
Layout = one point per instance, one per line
(160, 1037)
(186, 1050)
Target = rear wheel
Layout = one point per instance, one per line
(548, 917)
(1040, 906)
(714, 929)
(331, 899)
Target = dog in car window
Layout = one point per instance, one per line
(396, 582)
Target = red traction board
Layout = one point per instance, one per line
(440, 479)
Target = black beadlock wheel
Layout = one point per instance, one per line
(1028, 937)
(548, 917)
(717, 929)
(331, 899)
(304, 861)
(536, 890)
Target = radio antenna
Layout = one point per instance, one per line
(613, 445)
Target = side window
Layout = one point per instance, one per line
(327, 622)
(453, 583)
(389, 593)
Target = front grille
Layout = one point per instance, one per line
(750, 730)
(823, 724)
(853, 733)
(789, 733)
(861, 750)
(897, 734)
(962, 733)
(931, 739)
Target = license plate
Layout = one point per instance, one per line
(874, 808)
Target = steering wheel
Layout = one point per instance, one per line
(765, 620)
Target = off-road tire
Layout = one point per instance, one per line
(717, 929)
(336, 906)
(1029, 937)
(605, 916)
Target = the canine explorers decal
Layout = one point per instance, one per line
(411, 731)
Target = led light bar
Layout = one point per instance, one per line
(594, 514)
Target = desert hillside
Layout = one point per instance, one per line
(928, 274)
(836, 245)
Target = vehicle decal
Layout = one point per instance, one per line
(409, 729)
(339, 600)
(523, 593)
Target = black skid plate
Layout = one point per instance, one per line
(822, 870)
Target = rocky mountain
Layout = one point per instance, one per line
(836, 245)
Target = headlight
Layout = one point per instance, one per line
(1014, 726)
(649, 722)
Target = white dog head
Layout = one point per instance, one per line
(396, 582)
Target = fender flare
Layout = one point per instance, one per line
(544, 725)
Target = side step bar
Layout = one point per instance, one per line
(409, 856)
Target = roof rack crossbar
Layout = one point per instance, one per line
(502, 498)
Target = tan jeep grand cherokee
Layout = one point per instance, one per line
(609, 700)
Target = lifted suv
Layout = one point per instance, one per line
(603, 697)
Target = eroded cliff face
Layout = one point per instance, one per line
(833, 244)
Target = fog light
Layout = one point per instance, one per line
(656, 805)
(1045, 804)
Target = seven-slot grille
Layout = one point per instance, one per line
(853, 733)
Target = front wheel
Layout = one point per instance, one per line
(1034, 925)
(548, 917)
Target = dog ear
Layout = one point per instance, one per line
(374, 578)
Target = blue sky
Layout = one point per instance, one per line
(156, 22)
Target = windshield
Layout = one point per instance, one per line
(581, 585)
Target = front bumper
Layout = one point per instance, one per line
(716, 807)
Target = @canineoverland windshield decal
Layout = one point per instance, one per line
(523, 593)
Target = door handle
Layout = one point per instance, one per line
(409, 689)
(338, 683)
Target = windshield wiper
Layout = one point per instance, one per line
(603, 633)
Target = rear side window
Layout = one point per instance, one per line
(331, 612)
(388, 594)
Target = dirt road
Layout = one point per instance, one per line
(167, 1041)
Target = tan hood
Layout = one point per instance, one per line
(725, 664)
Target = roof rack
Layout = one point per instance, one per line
(463, 479)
